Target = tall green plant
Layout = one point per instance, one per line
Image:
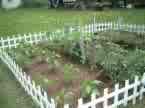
(89, 87)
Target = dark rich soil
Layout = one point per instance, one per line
(83, 72)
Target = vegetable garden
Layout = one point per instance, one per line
(76, 63)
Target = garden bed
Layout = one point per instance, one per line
(67, 73)
(59, 74)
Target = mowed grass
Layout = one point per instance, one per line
(11, 93)
(26, 20)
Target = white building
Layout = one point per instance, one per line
(11, 4)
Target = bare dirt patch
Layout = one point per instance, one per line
(83, 72)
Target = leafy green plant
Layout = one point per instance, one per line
(91, 86)
(113, 58)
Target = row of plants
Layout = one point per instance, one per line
(120, 54)
(115, 52)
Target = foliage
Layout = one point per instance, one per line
(91, 86)
(114, 58)
(124, 39)
(69, 73)
(51, 59)
(35, 3)
(134, 63)
(68, 44)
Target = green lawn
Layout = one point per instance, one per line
(41, 19)
(11, 93)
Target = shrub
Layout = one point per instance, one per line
(91, 86)
(35, 3)
(118, 62)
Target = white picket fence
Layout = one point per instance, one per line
(40, 96)
(36, 92)
(120, 96)
(13, 41)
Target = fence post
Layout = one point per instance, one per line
(14, 39)
(39, 93)
(86, 29)
(116, 95)
(134, 28)
(80, 103)
(131, 28)
(115, 25)
(19, 38)
(83, 55)
(36, 36)
(141, 93)
(135, 89)
(47, 104)
(53, 103)
(142, 87)
(25, 37)
(94, 22)
(2, 43)
(143, 28)
(9, 44)
(66, 106)
(105, 104)
(93, 97)
(126, 93)
(30, 37)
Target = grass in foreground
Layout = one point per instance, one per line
(26, 20)
(11, 93)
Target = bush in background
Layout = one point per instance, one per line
(35, 3)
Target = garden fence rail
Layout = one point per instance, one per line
(36, 92)
(15, 40)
